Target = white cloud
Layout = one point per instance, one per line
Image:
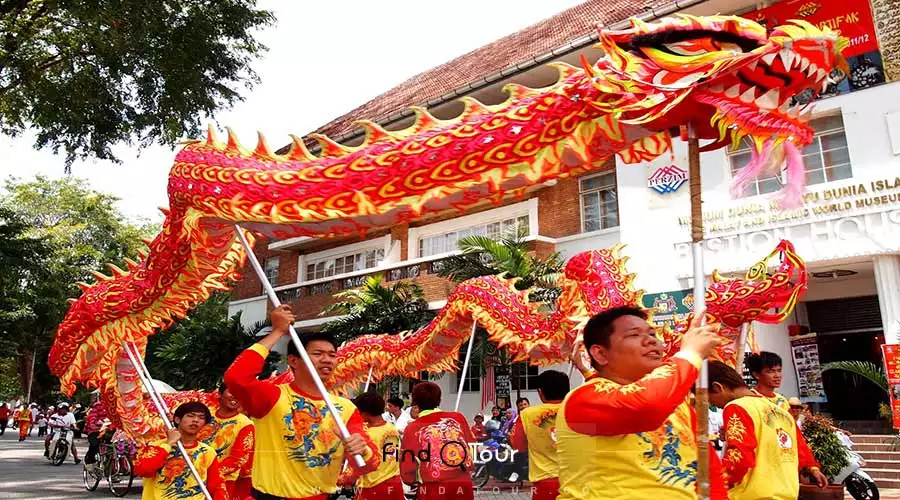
(325, 59)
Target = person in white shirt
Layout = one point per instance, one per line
(395, 414)
(61, 421)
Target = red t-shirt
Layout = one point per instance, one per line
(4, 413)
(435, 448)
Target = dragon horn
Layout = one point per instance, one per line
(262, 148)
(299, 151)
(116, 270)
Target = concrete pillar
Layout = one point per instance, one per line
(887, 282)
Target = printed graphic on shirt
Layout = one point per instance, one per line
(219, 435)
(309, 435)
(175, 478)
(448, 450)
(547, 420)
(664, 457)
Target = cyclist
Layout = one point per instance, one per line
(61, 421)
(97, 416)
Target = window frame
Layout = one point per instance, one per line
(529, 379)
(277, 268)
(381, 243)
(823, 168)
(581, 193)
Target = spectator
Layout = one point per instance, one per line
(478, 430)
(522, 403)
(4, 418)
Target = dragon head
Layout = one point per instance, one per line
(725, 76)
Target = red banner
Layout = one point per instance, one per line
(891, 354)
(852, 18)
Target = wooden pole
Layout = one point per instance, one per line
(702, 399)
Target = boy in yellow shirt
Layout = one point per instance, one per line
(535, 432)
(383, 483)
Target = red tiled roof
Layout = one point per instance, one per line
(538, 39)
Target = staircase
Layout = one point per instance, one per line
(882, 458)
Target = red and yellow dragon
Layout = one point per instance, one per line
(723, 74)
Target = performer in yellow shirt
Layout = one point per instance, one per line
(766, 368)
(383, 483)
(629, 433)
(166, 472)
(535, 432)
(764, 449)
(298, 451)
(230, 434)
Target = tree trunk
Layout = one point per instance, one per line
(24, 366)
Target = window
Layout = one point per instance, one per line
(599, 202)
(524, 377)
(333, 266)
(514, 227)
(272, 270)
(473, 374)
(827, 159)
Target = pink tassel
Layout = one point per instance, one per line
(792, 194)
(751, 171)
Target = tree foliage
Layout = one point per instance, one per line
(87, 75)
(195, 352)
(54, 233)
(865, 369)
(375, 308)
(483, 256)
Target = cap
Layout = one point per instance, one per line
(796, 402)
(63, 405)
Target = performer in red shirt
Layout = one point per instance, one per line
(435, 449)
(298, 452)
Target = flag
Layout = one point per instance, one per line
(488, 390)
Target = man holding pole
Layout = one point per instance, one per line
(298, 452)
(629, 432)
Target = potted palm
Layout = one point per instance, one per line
(819, 432)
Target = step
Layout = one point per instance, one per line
(875, 438)
(863, 448)
(881, 455)
(886, 474)
(884, 484)
(882, 464)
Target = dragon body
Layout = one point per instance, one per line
(724, 75)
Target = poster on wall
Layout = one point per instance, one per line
(502, 382)
(891, 354)
(853, 19)
(805, 352)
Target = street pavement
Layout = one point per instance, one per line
(26, 475)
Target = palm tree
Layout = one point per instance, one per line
(483, 256)
(864, 369)
(509, 257)
(375, 308)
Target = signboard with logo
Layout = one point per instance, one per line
(669, 307)
(805, 352)
(891, 354)
(667, 179)
(853, 19)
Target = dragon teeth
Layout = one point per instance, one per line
(733, 91)
(785, 107)
(749, 95)
(811, 70)
(769, 100)
(804, 63)
(753, 64)
(787, 57)
(820, 74)
(718, 88)
(769, 58)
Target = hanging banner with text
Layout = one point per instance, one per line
(853, 19)
(805, 352)
(891, 354)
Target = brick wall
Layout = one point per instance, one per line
(559, 207)
(249, 285)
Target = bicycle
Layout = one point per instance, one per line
(114, 462)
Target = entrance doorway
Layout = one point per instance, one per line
(849, 329)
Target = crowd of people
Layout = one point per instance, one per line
(28, 418)
(627, 432)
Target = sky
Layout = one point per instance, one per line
(324, 59)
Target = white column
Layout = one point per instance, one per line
(887, 281)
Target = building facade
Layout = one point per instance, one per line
(848, 230)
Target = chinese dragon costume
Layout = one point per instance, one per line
(725, 75)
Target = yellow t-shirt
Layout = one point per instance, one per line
(775, 474)
(386, 439)
(539, 424)
(174, 480)
(220, 435)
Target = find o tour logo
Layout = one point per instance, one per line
(667, 179)
(453, 454)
